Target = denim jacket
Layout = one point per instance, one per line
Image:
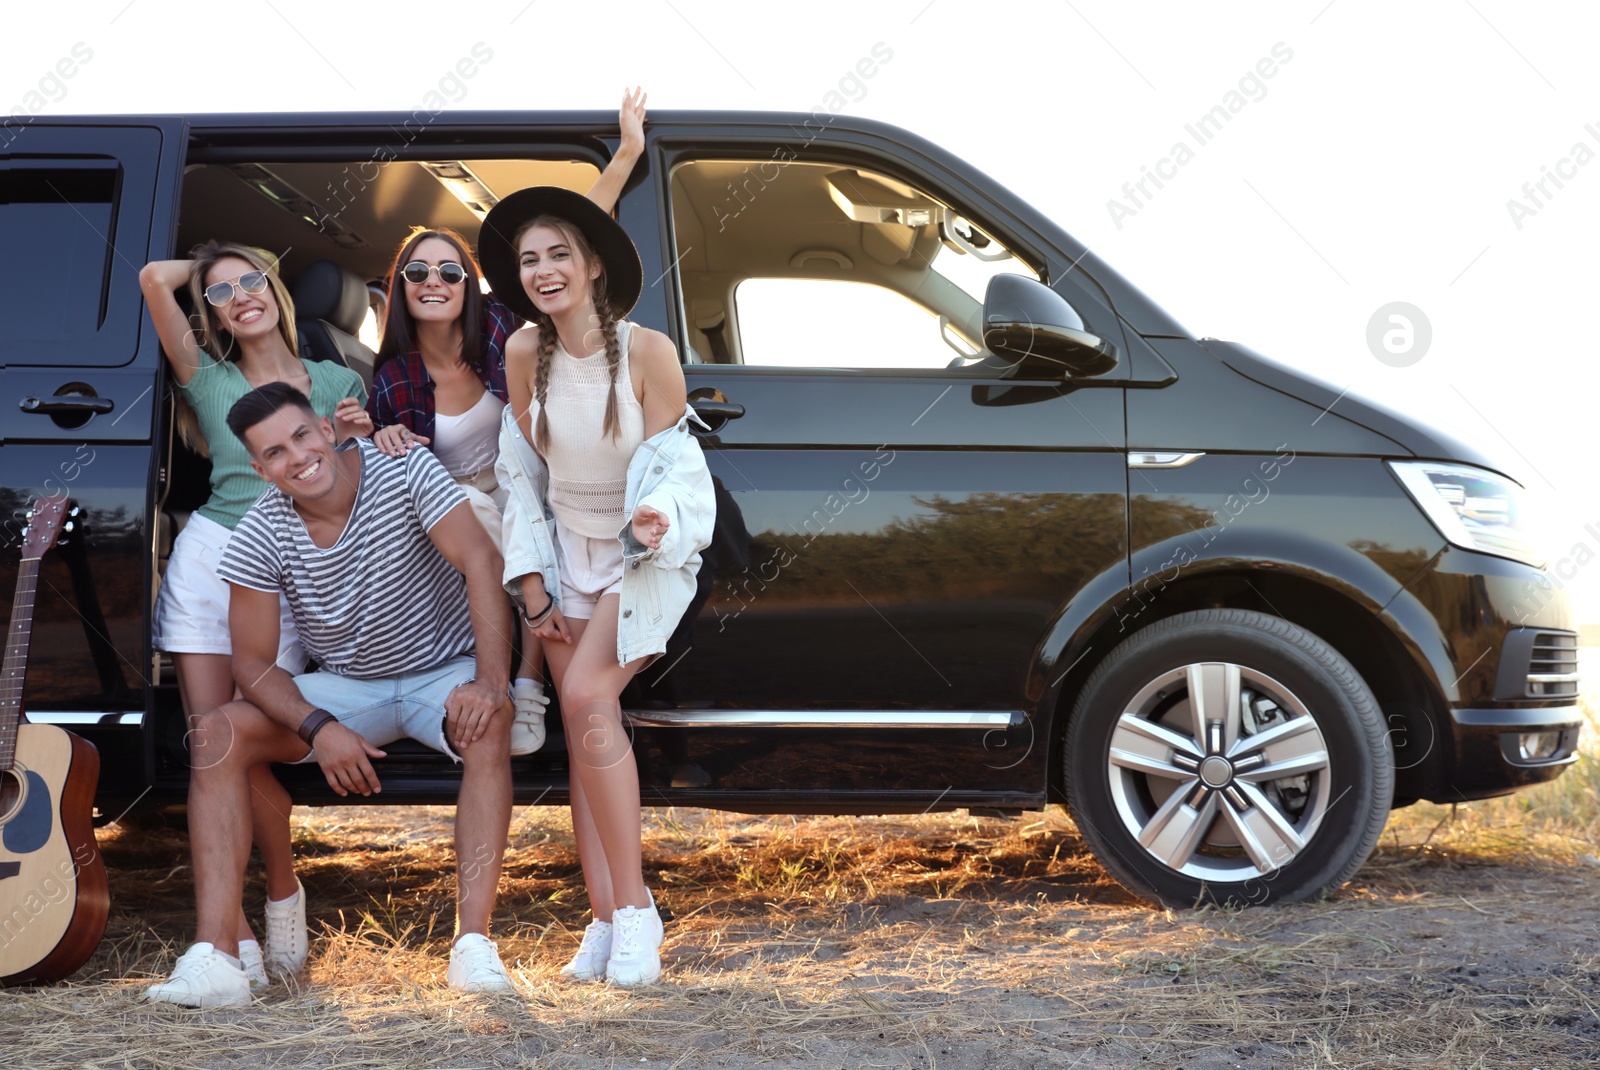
(668, 472)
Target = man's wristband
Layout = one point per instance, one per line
(315, 722)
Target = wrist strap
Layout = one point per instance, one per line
(544, 614)
(315, 722)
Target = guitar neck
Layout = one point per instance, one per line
(15, 668)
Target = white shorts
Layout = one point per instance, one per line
(590, 570)
(192, 607)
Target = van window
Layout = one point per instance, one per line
(61, 220)
(827, 323)
(802, 264)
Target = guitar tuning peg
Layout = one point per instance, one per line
(75, 511)
(25, 532)
(67, 527)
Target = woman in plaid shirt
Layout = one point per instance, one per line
(440, 379)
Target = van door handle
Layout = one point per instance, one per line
(720, 410)
(67, 405)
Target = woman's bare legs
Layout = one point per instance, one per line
(605, 781)
(205, 682)
(591, 854)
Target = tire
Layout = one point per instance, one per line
(1183, 815)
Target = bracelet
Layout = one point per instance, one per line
(315, 722)
(544, 614)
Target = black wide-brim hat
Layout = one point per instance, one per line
(497, 253)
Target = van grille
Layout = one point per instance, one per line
(1553, 665)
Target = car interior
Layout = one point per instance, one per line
(781, 264)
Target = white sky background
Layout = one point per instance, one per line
(1376, 168)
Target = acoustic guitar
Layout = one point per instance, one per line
(53, 894)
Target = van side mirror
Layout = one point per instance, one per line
(1033, 329)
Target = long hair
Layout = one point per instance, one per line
(216, 342)
(400, 327)
(605, 317)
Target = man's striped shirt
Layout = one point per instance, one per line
(382, 600)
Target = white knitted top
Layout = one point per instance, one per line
(588, 469)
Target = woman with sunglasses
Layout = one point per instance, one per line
(246, 339)
(440, 380)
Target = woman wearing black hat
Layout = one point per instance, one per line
(610, 506)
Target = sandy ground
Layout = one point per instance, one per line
(825, 943)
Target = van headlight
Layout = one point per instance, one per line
(1473, 508)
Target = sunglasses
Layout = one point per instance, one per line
(417, 272)
(251, 282)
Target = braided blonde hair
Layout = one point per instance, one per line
(547, 332)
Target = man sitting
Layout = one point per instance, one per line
(393, 583)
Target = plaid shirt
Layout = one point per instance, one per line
(402, 391)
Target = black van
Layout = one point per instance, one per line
(995, 531)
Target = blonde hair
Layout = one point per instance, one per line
(547, 330)
(216, 343)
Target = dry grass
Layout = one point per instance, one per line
(1470, 940)
(1558, 822)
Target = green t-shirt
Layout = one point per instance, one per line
(212, 391)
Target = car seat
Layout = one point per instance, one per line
(330, 304)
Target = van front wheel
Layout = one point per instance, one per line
(1228, 756)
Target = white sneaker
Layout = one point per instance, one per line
(287, 946)
(636, 936)
(254, 969)
(527, 727)
(475, 966)
(203, 977)
(589, 964)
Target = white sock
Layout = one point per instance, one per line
(527, 681)
(233, 960)
(284, 902)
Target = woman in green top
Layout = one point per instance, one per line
(246, 339)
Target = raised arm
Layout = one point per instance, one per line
(608, 188)
(159, 280)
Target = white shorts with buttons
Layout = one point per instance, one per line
(590, 570)
(192, 607)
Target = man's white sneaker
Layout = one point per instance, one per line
(594, 951)
(287, 946)
(475, 966)
(527, 726)
(254, 969)
(203, 977)
(635, 946)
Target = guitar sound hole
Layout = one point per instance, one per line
(12, 791)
